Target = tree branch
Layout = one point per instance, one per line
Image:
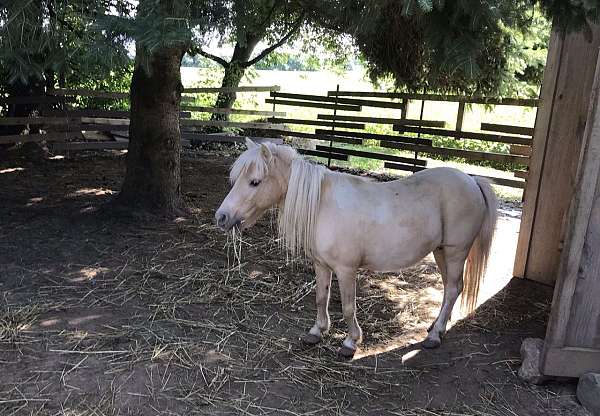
(277, 44)
(267, 20)
(195, 50)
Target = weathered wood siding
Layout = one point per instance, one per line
(557, 143)
(572, 345)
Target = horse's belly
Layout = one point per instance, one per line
(380, 236)
(391, 258)
(396, 245)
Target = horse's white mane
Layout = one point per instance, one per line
(298, 214)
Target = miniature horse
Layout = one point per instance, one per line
(343, 222)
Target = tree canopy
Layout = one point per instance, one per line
(247, 24)
(41, 40)
(462, 46)
(466, 46)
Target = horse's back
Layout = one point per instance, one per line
(373, 221)
(443, 176)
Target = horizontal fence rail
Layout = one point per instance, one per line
(372, 155)
(525, 102)
(336, 100)
(328, 134)
(383, 120)
(464, 135)
(299, 103)
(356, 126)
(212, 110)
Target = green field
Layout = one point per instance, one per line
(318, 83)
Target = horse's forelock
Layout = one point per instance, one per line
(253, 158)
(250, 158)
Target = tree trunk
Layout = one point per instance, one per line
(234, 72)
(153, 180)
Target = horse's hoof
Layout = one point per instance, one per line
(310, 339)
(431, 343)
(346, 352)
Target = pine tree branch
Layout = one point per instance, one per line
(277, 44)
(77, 32)
(267, 20)
(196, 50)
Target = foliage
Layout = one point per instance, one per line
(80, 43)
(287, 61)
(462, 46)
(198, 61)
(40, 40)
(111, 81)
(246, 23)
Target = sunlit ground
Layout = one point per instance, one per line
(11, 170)
(498, 275)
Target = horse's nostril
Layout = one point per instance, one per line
(222, 219)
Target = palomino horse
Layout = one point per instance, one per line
(343, 222)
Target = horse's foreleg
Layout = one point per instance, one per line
(321, 326)
(451, 267)
(347, 283)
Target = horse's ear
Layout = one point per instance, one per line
(250, 144)
(266, 153)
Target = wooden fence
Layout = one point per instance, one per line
(346, 126)
(68, 128)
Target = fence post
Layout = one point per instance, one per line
(335, 103)
(404, 109)
(421, 126)
(459, 119)
(274, 100)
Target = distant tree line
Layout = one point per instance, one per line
(275, 61)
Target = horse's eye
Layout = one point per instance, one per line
(254, 183)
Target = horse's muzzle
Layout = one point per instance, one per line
(226, 222)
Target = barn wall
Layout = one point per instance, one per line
(584, 328)
(572, 345)
(557, 143)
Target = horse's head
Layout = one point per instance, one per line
(259, 181)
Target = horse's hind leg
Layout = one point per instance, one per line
(440, 260)
(321, 326)
(451, 263)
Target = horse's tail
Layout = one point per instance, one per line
(480, 250)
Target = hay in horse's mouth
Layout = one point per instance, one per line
(238, 225)
(234, 241)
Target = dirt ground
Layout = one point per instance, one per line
(102, 316)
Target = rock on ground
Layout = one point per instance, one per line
(588, 392)
(531, 348)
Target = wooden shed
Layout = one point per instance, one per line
(559, 239)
